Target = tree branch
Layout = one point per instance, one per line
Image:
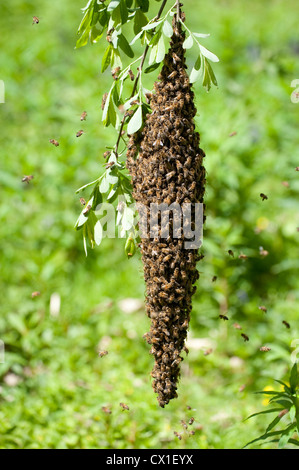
(137, 80)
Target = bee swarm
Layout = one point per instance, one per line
(168, 169)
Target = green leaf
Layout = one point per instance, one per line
(140, 20)
(98, 232)
(104, 186)
(113, 4)
(125, 46)
(208, 54)
(273, 423)
(151, 25)
(292, 413)
(167, 29)
(83, 40)
(87, 185)
(272, 410)
(286, 387)
(188, 43)
(286, 435)
(130, 247)
(161, 50)
(294, 378)
(201, 35)
(107, 58)
(135, 122)
(196, 71)
(152, 67)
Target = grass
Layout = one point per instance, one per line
(53, 385)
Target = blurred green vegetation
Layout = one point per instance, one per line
(53, 385)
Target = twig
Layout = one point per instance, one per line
(136, 81)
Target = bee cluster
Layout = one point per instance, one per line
(168, 170)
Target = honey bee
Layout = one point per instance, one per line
(115, 73)
(263, 196)
(54, 142)
(83, 116)
(184, 424)
(286, 324)
(134, 102)
(103, 353)
(107, 154)
(245, 337)
(35, 294)
(167, 258)
(283, 412)
(87, 209)
(172, 75)
(237, 326)
(207, 352)
(231, 253)
(223, 317)
(191, 421)
(214, 278)
(148, 97)
(132, 76)
(124, 406)
(104, 98)
(242, 256)
(82, 201)
(232, 134)
(178, 435)
(263, 308)
(109, 165)
(35, 20)
(263, 252)
(265, 348)
(106, 410)
(79, 133)
(27, 179)
(297, 168)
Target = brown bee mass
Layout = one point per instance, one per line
(165, 163)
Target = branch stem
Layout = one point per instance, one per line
(137, 80)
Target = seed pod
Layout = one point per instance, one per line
(168, 170)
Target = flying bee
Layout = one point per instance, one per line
(207, 352)
(79, 133)
(297, 168)
(237, 326)
(82, 201)
(109, 165)
(263, 252)
(54, 142)
(124, 406)
(104, 98)
(231, 253)
(265, 349)
(242, 256)
(232, 134)
(191, 421)
(87, 210)
(263, 196)
(214, 278)
(103, 353)
(35, 20)
(283, 412)
(286, 324)
(115, 73)
(245, 337)
(178, 435)
(27, 179)
(35, 294)
(106, 410)
(263, 308)
(83, 116)
(223, 317)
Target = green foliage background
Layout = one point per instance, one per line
(58, 384)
